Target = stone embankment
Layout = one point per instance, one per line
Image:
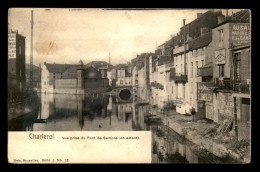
(192, 130)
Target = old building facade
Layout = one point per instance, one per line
(72, 79)
(123, 76)
(16, 58)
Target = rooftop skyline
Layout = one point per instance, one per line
(70, 35)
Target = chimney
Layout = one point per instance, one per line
(226, 13)
(109, 58)
(198, 15)
(221, 19)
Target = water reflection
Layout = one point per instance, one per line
(59, 112)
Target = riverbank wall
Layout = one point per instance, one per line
(188, 128)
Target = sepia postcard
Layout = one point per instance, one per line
(131, 86)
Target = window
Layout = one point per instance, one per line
(237, 66)
(53, 75)
(61, 75)
(181, 57)
(197, 66)
(191, 90)
(202, 62)
(221, 70)
(192, 69)
(121, 81)
(220, 38)
(20, 50)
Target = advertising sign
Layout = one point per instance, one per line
(205, 93)
(11, 45)
(240, 33)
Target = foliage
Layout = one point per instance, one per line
(160, 156)
(160, 133)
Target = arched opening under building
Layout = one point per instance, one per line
(125, 94)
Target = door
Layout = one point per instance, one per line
(245, 109)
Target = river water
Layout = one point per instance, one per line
(59, 112)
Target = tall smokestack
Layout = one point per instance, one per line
(109, 58)
(31, 53)
(226, 13)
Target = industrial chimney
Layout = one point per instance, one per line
(221, 18)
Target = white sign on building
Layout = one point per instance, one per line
(11, 45)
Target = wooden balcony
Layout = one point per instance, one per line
(234, 86)
(180, 77)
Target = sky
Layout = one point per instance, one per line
(70, 35)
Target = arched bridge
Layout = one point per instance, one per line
(124, 94)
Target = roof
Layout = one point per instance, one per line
(242, 16)
(58, 68)
(70, 73)
(122, 67)
(27, 66)
(201, 41)
(36, 70)
(110, 68)
(103, 67)
(97, 64)
(206, 20)
(92, 72)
